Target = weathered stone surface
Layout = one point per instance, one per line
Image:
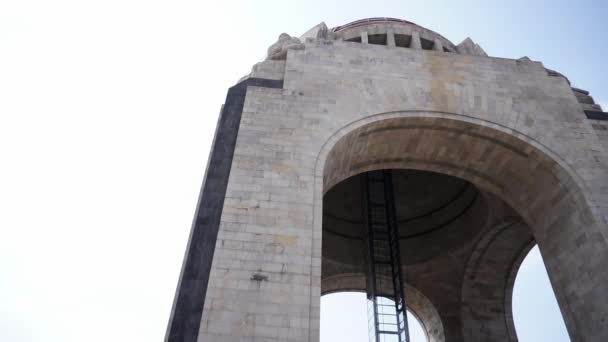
(318, 31)
(517, 134)
(267, 69)
(278, 50)
(469, 47)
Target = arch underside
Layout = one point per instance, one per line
(464, 291)
(529, 196)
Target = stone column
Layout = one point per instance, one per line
(364, 37)
(390, 38)
(415, 44)
(438, 46)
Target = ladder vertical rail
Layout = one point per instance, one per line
(387, 319)
(400, 305)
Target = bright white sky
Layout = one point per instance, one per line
(107, 110)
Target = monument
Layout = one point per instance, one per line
(380, 157)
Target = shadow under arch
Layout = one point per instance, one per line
(527, 176)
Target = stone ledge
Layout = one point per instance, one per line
(596, 115)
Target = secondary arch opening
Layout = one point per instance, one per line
(344, 318)
(536, 314)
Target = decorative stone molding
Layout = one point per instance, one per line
(469, 47)
(318, 31)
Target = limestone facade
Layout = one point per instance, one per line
(388, 94)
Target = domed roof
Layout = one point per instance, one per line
(368, 21)
(401, 29)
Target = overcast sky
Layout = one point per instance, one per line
(107, 110)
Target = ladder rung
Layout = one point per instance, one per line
(382, 244)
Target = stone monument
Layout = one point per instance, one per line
(479, 158)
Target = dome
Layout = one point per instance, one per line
(392, 31)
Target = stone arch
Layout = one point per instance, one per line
(418, 304)
(526, 175)
(509, 289)
(489, 279)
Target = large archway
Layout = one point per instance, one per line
(544, 195)
(459, 248)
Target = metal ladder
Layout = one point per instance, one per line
(387, 313)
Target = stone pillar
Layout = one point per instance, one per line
(390, 38)
(415, 44)
(364, 37)
(438, 46)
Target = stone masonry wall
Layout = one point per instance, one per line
(265, 278)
